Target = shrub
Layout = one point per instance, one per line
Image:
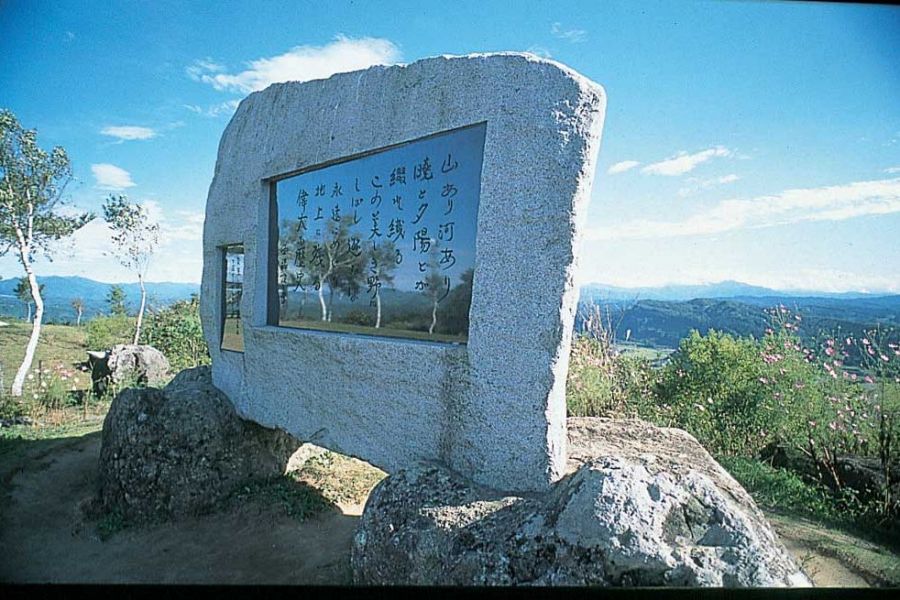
(177, 332)
(603, 383)
(713, 386)
(105, 332)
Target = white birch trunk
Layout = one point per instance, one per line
(322, 298)
(377, 308)
(433, 317)
(19, 380)
(140, 315)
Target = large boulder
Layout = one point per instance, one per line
(173, 452)
(640, 506)
(128, 364)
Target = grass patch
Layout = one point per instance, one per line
(58, 344)
(110, 524)
(294, 498)
(783, 490)
(339, 478)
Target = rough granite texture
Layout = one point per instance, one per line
(643, 506)
(494, 409)
(127, 364)
(173, 452)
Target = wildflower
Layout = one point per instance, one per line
(35, 396)
(829, 351)
(829, 342)
(868, 379)
(865, 341)
(883, 357)
(31, 376)
(852, 376)
(43, 385)
(763, 380)
(811, 423)
(74, 388)
(848, 342)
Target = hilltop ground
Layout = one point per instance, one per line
(297, 529)
(262, 536)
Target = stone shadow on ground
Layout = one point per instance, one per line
(277, 531)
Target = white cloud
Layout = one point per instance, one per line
(128, 132)
(301, 63)
(88, 252)
(683, 162)
(621, 167)
(226, 108)
(892, 170)
(833, 203)
(111, 177)
(570, 35)
(697, 184)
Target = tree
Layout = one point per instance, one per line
(136, 237)
(382, 264)
(337, 260)
(115, 298)
(454, 313)
(435, 286)
(32, 185)
(78, 305)
(23, 293)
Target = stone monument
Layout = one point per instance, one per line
(390, 258)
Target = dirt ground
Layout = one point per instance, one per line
(44, 539)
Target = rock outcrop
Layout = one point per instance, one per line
(641, 506)
(126, 364)
(175, 451)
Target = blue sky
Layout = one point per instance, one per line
(757, 141)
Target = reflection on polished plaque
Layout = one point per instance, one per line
(383, 243)
(232, 327)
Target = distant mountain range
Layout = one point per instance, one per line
(662, 316)
(658, 316)
(60, 291)
(722, 289)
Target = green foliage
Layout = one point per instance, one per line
(603, 383)
(453, 311)
(784, 490)
(105, 332)
(714, 386)
(177, 332)
(133, 233)
(115, 298)
(32, 182)
(296, 499)
(110, 524)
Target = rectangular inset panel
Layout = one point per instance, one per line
(233, 282)
(383, 243)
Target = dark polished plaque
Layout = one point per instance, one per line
(383, 243)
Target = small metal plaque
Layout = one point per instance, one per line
(383, 243)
